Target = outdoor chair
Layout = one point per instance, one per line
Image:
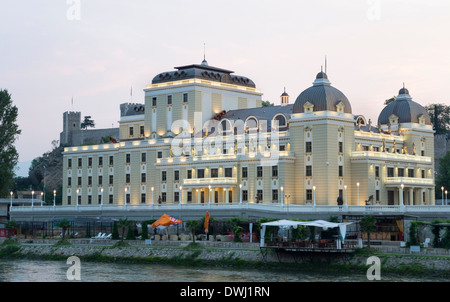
(426, 242)
(109, 236)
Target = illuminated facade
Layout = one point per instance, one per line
(202, 136)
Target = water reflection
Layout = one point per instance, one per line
(55, 271)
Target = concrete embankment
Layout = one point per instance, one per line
(229, 254)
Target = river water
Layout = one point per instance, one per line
(56, 271)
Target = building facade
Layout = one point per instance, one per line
(202, 136)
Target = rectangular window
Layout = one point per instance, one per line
(128, 198)
(159, 154)
(308, 147)
(401, 172)
(390, 172)
(111, 179)
(423, 173)
(69, 163)
(111, 160)
(79, 181)
(169, 100)
(89, 199)
(89, 161)
(163, 175)
(275, 195)
(131, 131)
(128, 158)
(377, 171)
(89, 180)
(154, 101)
(111, 199)
(176, 196)
(274, 171)
(185, 97)
(69, 181)
(228, 172)
(163, 197)
(422, 152)
(244, 172)
(200, 173)
(141, 130)
(341, 147)
(259, 195)
(127, 178)
(377, 195)
(309, 194)
(410, 172)
(143, 157)
(308, 170)
(79, 200)
(214, 172)
(69, 199)
(100, 161)
(143, 197)
(99, 199)
(100, 180)
(143, 177)
(189, 174)
(80, 162)
(189, 196)
(176, 175)
(244, 195)
(282, 148)
(341, 171)
(259, 171)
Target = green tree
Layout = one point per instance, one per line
(443, 178)
(440, 117)
(9, 131)
(124, 224)
(144, 229)
(115, 231)
(388, 101)
(193, 225)
(11, 226)
(64, 224)
(368, 225)
(267, 104)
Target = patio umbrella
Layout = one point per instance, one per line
(165, 220)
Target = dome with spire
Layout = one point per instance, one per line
(322, 96)
(405, 109)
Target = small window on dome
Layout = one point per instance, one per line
(421, 119)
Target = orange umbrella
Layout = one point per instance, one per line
(165, 220)
(206, 222)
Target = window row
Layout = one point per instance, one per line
(169, 99)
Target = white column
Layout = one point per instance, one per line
(400, 196)
(240, 193)
(422, 191)
(198, 195)
(411, 196)
(227, 195)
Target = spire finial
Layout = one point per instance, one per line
(325, 63)
(204, 51)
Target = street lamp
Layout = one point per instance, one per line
(314, 196)
(240, 194)
(282, 197)
(152, 194)
(32, 198)
(357, 193)
(442, 189)
(78, 200)
(402, 186)
(445, 196)
(181, 195)
(345, 189)
(11, 193)
(42, 197)
(54, 197)
(101, 200)
(125, 196)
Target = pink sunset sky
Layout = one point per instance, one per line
(96, 50)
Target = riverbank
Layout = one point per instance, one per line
(237, 255)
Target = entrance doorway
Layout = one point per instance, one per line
(391, 197)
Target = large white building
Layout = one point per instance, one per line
(202, 136)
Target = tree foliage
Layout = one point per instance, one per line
(9, 131)
(440, 117)
(443, 178)
(368, 225)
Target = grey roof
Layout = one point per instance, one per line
(203, 71)
(405, 109)
(322, 95)
(127, 109)
(261, 113)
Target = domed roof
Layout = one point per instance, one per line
(405, 109)
(322, 95)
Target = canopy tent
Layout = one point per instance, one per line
(325, 225)
(165, 220)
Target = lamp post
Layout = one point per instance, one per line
(282, 196)
(42, 197)
(153, 189)
(445, 196)
(345, 204)
(54, 198)
(78, 193)
(401, 195)
(357, 193)
(125, 197)
(442, 189)
(32, 199)
(101, 200)
(240, 194)
(181, 195)
(11, 193)
(314, 196)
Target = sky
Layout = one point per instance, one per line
(97, 51)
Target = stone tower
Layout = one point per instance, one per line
(71, 123)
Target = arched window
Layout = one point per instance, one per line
(251, 123)
(281, 120)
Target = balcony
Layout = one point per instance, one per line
(373, 155)
(213, 182)
(409, 182)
